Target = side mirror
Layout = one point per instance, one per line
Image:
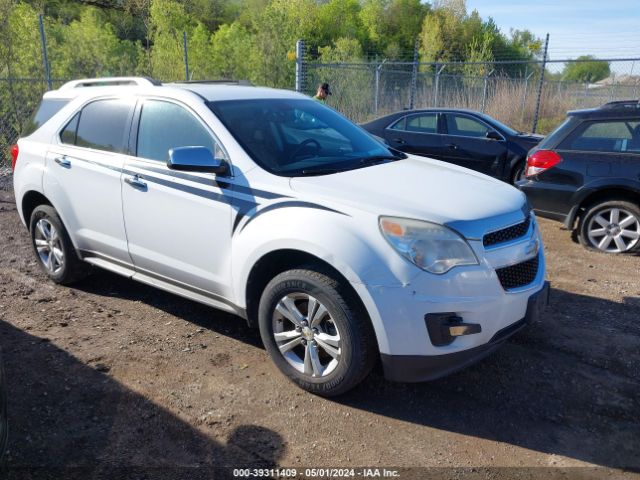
(195, 159)
(493, 135)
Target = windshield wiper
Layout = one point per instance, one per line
(319, 171)
(379, 159)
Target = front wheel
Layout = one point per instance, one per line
(611, 227)
(316, 332)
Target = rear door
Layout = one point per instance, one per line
(178, 223)
(82, 176)
(466, 144)
(417, 133)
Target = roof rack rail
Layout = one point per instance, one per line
(246, 83)
(110, 82)
(621, 104)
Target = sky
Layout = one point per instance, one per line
(603, 28)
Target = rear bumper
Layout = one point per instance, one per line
(420, 368)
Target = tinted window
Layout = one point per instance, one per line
(103, 124)
(400, 124)
(554, 137)
(68, 134)
(427, 123)
(47, 109)
(165, 125)
(466, 126)
(294, 137)
(611, 136)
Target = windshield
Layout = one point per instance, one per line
(497, 123)
(293, 137)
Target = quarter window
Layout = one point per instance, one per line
(165, 125)
(465, 126)
(617, 136)
(102, 126)
(68, 134)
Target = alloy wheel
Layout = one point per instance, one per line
(306, 335)
(614, 230)
(49, 246)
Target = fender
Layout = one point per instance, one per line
(596, 186)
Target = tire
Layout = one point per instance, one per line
(612, 227)
(343, 341)
(49, 235)
(517, 173)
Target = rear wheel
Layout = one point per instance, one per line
(315, 332)
(52, 245)
(612, 227)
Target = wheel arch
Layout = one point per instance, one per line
(31, 200)
(601, 195)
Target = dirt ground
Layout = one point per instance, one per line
(115, 376)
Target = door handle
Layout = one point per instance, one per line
(63, 162)
(399, 140)
(452, 146)
(136, 182)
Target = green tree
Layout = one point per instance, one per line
(587, 69)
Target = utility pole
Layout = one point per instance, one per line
(540, 85)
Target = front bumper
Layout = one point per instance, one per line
(419, 368)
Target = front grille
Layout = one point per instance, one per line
(518, 275)
(506, 234)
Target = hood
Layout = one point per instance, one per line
(418, 188)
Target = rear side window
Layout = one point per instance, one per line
(165, 125)
(427, 123)
(560, 132)
(102, 125)
(47, 109)
(609, 136)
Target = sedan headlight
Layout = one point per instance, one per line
(432, 247)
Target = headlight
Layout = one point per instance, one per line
(432, 247)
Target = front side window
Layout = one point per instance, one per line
(166, 125)
(465, 126)
(611, 136)
(292, 137)
(103, 124)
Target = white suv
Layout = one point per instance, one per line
(270, 205)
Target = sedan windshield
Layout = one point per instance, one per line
(294, 137)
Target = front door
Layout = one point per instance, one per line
(178, 224)
(467, 145)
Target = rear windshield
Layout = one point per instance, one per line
(551, 140)
(47, 109)
(292, 137)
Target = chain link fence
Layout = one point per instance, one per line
(364, 91)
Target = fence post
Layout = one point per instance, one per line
(484, 90)
(376, 93)
(439, 70)
(540, 85)
(526, 91)
(45, 58)
(300, 67)
(186, 56)
(414, 75)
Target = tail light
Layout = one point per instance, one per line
(541, 161)
(14, 156)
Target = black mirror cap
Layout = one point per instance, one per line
(196, 159)
(493, 135)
